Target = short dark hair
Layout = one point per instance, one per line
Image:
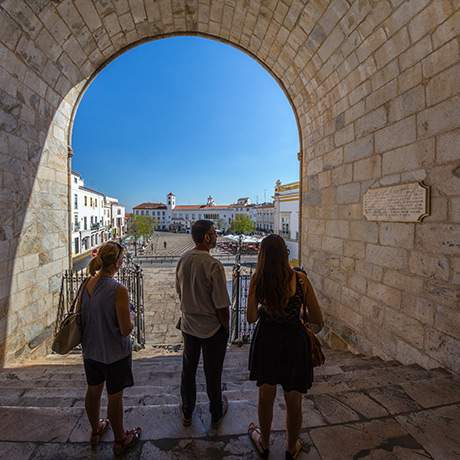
(199, 230)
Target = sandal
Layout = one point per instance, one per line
(129, 441)
(298, 448)
(103, 426)
(257, 441)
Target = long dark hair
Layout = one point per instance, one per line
(273, 274)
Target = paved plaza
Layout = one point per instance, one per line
(358, 408)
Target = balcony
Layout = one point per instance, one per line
(76, 227)
(95, 226)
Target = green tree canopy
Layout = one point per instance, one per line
(242, 224)
(140, 226)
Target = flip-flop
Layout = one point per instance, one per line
(103, 426)
(261, 450)
(298, 448)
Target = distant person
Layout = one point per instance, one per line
(106, 324)
(204, 302)
(165, 244)
(280, 350)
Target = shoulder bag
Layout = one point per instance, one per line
(317, 355)
(69, 334)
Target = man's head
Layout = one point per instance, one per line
(204, 234)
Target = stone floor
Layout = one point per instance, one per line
(358, 408)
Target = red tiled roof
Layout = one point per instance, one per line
(150, 206)
(202, 206)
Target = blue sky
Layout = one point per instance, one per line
(187, 115)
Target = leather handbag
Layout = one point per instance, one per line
(68, 335)
(317, 355)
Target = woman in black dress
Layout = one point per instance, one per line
(280, 353)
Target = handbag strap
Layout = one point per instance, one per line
(77, 299)
(305, 315)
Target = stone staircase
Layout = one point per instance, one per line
(358, 408)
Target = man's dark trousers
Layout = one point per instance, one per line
(214, 349)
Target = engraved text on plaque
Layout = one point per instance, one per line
(397, 203)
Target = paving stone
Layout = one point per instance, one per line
(16, 450)
(334, 410)
(394, 399)
(37, 424)
(362, 404)
(377, 439)
(435, 392)
(437, 430)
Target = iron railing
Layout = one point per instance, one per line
(241, 331)
(130, 275)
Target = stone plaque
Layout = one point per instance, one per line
(397, 203)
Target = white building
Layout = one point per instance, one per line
(180, 218)
(286, 215)
(95, 217)
(265, 215)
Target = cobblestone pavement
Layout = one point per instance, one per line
(358, 408)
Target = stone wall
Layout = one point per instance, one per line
(374, 89)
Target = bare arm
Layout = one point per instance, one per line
(122, 306)
(251, 311)
(219, 295)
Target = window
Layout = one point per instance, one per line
(86, 200)
(95, 202)
(75, 181)
(85, 222)
(75, 201)
(91, 201)
(119, 211)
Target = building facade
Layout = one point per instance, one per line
(286, 215)
(95, 217)
(179, 218)
(265, 217)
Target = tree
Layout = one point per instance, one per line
(242, 224)
(140, 227)
(220, 224)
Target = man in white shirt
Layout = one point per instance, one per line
(204, 302)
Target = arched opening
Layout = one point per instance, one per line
(197, 119)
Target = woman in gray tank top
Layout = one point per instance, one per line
(106, 324)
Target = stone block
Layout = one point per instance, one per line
(380, 96)
(454, 210)
(407, 104)
(369, 168)
(332, 159)
(429, 266)
(448, 320)
(89, 14)
(396, 135)
(441, 59)
(439, 118)
(410, 78)
(397, 234)
(359, 149)
(443, 348)
(337, 228)
(370, 44)
(371, 122)
(348, 193)
(443, 85)
(364, 231)
(398, 280)
(386, 256)
(420, 308)
(408, 329)
(416, 53)
(429, 18)
(392, 48)
(344, 136)
(410, 157)
(445, 179)
(342, 174)
(447, 147)
(315, 166)
(355, 249)
(360, 92)
(372, 310)
(384, 294)
(333, 245)
(447, 30)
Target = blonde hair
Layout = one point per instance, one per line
(107, 255)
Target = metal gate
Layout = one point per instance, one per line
(241, 330)
(130, 275)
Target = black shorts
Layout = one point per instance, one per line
(117, 376)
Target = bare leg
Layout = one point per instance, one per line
(293, 418)
(267, 394)
(115, 414)
(93, 404)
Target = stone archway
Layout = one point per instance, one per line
(374, 87)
